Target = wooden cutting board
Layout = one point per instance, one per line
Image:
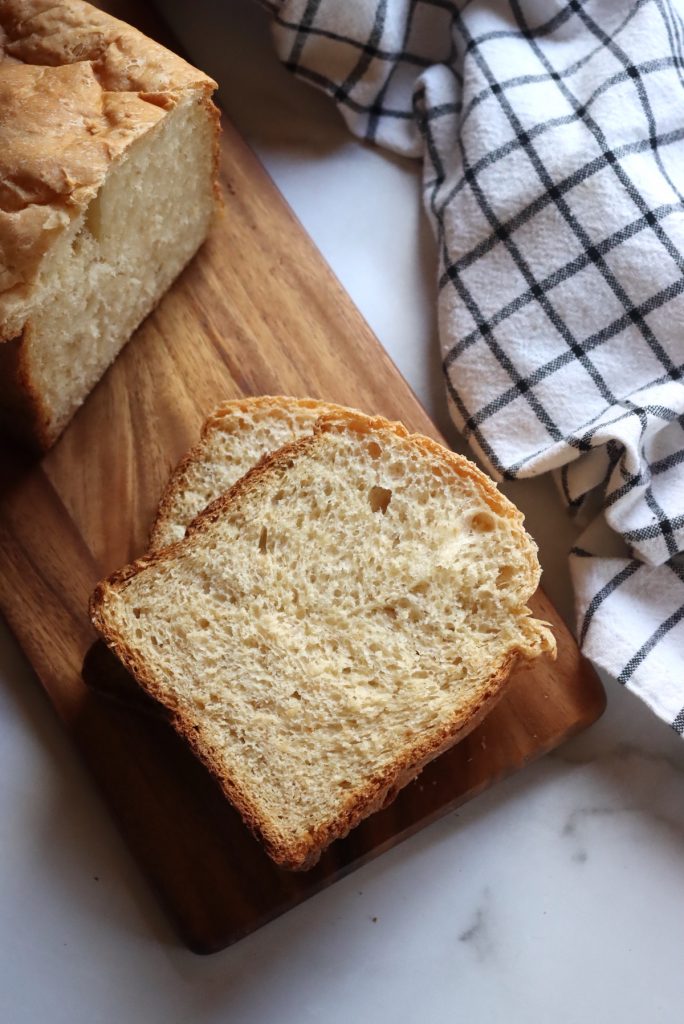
(257, 312)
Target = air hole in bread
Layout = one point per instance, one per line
(374, 450)
(504, 577)
(482, 522)
(263, 539)
(379, 498)
(94, 219)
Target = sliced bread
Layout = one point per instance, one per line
(108, 156)
(347, 611)
(233, 439)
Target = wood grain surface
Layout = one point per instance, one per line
(257, 312)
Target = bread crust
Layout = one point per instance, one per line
(178, 480)
(303, 852)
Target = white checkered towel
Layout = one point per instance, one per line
(552, 136)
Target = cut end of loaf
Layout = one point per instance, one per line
(347, 611)
(108, 159)
(109, 270)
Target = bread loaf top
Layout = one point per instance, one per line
(77, 87)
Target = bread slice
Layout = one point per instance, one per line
(108, 155)
(233, 439)
(347, 611)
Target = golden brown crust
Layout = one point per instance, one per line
(178, 480)
(304, 852)
(77, 87)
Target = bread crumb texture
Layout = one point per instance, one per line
(345, 612)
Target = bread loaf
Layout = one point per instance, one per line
(347, 611)
(234, 437)
(108, 151)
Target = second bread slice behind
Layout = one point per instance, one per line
(234, 437)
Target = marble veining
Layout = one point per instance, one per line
(478, 935)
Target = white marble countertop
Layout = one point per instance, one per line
(556, 897)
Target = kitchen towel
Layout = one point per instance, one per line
(552, 141)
